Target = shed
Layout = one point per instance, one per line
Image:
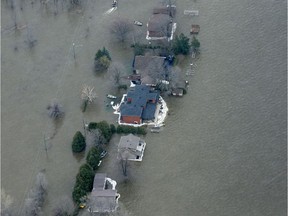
(194, 29)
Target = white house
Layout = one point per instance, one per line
(131, 148)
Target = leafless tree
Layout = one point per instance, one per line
(120, 29)
(123, 155)
(55, 110)
(36, 196)
(116, 71)
(6, 204)
(88, 94)
(31, 41)
(95, 138)
(63, 207)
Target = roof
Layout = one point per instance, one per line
(139, 104)
(195, 29)
(141, 62)
(129, 141)
(149, 111)
(101, 199)
(99, 181)
(158, 22)
(165, 10)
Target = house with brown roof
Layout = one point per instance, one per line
(149, 68)
(160, 25)
(104, 196)
(131, 148)
(171, 11)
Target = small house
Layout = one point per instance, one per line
(104, 196)
(131, 148)
(171, 11)
(159, 27)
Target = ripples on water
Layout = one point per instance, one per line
(222, 151)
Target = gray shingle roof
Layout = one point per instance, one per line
(139, 105)
(129, 141)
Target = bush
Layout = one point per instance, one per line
(195, 44)
(78, 193)
(104, 127)
(78, 143)
(112, 128)
(102, 60)
(130, 129)
(123, 87)
(93, 158)
(181, 45)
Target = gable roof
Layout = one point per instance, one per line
(139, 103)
(102, 199)
(165, 10)
(141, 62)
(158, 22)
(129, 141)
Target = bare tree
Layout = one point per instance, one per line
(36, 196)
(95, 138)
(31, 41)
(6, 204)
(87, 95)
(63, 207)
(120, 29)
(116, 71)
(123, 155)
(55, 110)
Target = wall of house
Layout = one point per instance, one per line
(131, 119)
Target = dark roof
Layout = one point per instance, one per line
(165, 10)
(195, 29)
(141, 62)
(158, 22)
(129, 110)
(140, 96)
(149, 112)
(99, 181)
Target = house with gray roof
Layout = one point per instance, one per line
(140, 104)
(104, 196)
(131, 148)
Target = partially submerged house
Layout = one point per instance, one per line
(160, 25)
(131, 148)
(149, 68)
(104, 196)
(171, 11)
(139, 105)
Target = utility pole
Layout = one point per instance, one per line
(74, 50)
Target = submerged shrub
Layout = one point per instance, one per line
(78, 143)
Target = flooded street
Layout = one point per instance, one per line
(223, 149)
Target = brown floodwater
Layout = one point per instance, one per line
(223, 149)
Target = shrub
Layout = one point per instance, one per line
(130, 129)
(104, 127)
(112, 128)
(195, 44)
(78, 143)
(102, 60)
(122, 87)
(78, 193)
(93, 158)
(181, 45)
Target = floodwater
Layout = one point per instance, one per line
(223, 149)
